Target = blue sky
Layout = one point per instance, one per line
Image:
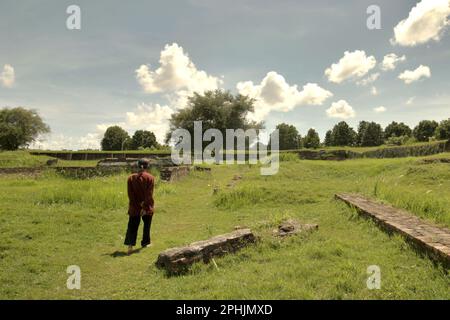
(83, 80)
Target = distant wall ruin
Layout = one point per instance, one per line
(174, 173)
(99, 155)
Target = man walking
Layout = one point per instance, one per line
(141, 205)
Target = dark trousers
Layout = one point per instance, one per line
(133, 226)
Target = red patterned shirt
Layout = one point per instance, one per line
(140, 193)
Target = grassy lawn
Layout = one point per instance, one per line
(15, 159)
(11, 159)
(50, 222)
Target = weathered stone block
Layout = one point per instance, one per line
(179, 259)
(291, 227)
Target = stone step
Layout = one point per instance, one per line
(427, 237)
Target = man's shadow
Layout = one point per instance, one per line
(119, 254)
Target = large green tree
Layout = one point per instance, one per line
(328, 139)
(425, 130)
(395, 129)
(143, 139)
(289, 137)
(343, 135)
(443, 130)
(311, 139)
(361, 128)
(19, 127)
(370, 134)
(115, 138)
(217, 110)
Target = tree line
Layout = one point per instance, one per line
(116, 138)
(368, 134)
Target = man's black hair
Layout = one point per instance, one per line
(143, 164)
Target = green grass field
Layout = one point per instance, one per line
(50, 222)
(23, 159)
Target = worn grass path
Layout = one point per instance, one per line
(48, 223)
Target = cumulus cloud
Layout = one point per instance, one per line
(352, 65)
(373, 91)
(150, 117)
(410, 101)
(426, 21)
(370, 79)
(62, 141)
(390, 61)
(380, 109)
(145, 117)
(410, 76)
(176, 74)
(341, 110)
(7, 76)
(275, 94)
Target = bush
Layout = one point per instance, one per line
(397, 141)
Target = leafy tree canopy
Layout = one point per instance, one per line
(311, 139)
(370, 134)
(425, 130)
(289, 137)
(328, 138)
(443, 130)
(115, 138)
(217, 110)
(343, 135)
(395, 129)
(143, 139)
(19, 127)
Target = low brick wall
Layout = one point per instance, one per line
(426, 237)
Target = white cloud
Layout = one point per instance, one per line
(154, 118)
(390, 61)
(7, 76)
(370, 79)
(380, 109)
(409, 76)
(275, 94)
(410, 101)
(145, 117)
(61, 141)
(352, 65)
(177, 75)
(341, 110)
(374, 91)
(426, 21)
